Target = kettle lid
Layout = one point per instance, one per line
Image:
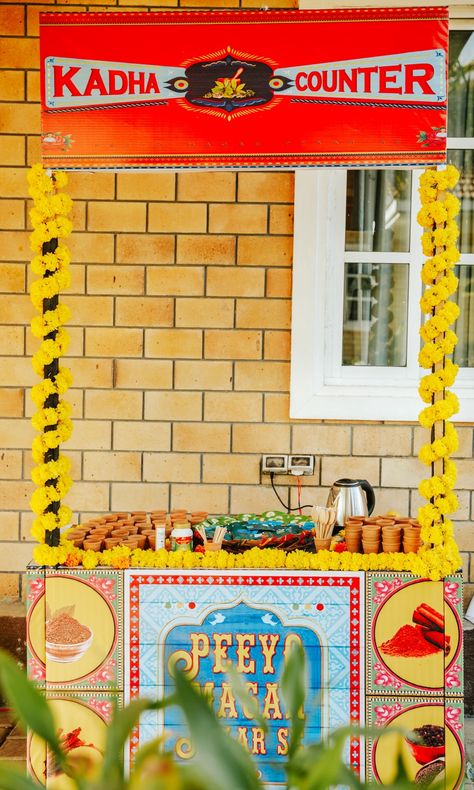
(346, 481)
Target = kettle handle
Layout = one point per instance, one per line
(370, 494)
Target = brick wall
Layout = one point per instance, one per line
(181, 300)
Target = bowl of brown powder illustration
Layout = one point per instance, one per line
(66, 638)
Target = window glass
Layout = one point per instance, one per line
(464, 351)
(378, 210)
(461, 84)
(464, 190)
(375, 314)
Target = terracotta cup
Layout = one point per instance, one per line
(138, 513)
(111, 542)
(122, 514)
(371, 547)
(93, 544)
(132, 529)
(409, 549)
(322, 543)
(211, 546)
(386, 522)
(122, 532)
(141, 541)
(151, 538)
(354, 521)
(132, 543)
(77, 542)
(391, 546)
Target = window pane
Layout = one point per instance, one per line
(464, 190)
(375, 314)
(378, 210)
(464, 351)
(461, 84)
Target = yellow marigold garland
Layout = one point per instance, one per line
(437, 214)
(52, 420)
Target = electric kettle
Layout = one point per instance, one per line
(351, 498)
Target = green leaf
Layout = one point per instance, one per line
(222, 760)
(293, 692)
(245, 698)
(13, 779)
(29, 704)
(121, 726)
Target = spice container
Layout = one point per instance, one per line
(181, 539)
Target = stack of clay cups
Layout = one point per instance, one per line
(411, 537)
(391, 535)
(371, 538)
(353, 533)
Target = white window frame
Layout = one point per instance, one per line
(321, 387)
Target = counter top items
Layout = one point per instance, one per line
(351, 498)
(324, 520)
(272, 529)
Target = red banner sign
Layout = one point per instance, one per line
(245, 89)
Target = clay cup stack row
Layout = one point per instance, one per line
(382, 533)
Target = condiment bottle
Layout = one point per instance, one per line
(181, 538)
(160, 535)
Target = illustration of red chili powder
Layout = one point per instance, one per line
(409, 642)
(63, 629)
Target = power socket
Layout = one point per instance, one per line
(301, 464)
(274, 464)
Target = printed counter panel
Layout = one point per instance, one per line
(75, 624)
(414, 635)
(200, 622)
(82, 720)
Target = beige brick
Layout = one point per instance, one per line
(206, 186)
(89, 496)
(222, 281)
(391, 500)
(233, 407)
(74, 456)
(277, 345)
(143, 374)
(332, 468)
(465, 473)
(121, 217)
(235, 218)
(112, 466)
(91, 435)
(142, 249)
(464, 535)
(11, 402)
(173, 343)
(278, 283)
(20, 372)
(16, 434)
(194, 375)
(15, 491)
(33, 148)
(381, 440)
(265, 251)
(10, 464)
(13, 183)
(262, 376)
(281, 219)
(16, 118)
(266, 187)
(78, 279)
(16, 311)
(12, 20)
(14, 558)
(200, 437)
(276, 407)
(172, 467)
(261, 438)
(12, 88)
(177, 217)
(33, 86)
(142, 436)
(204, 312)
(254, 499)
(87, 186)
(90, 310)
(173, 406)
(107, 342)
(10, 585)
(12, 214)
(402, 472)
(12, 340)
(465, 436)
(13, 149)
(270, 4)
(233, 468)
(91, 373)
(146, 186)
(143, 496)
(211, 250)
(211, 498)
(115, 280)
(19, 53)
(234, 344)
(92, 247)
(9, 525)
(115, 405)
(175, 281)
(147, 311)
(206, 4)
(263, 313)
(14, 245)
(322, 439)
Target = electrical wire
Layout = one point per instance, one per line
(288, 509)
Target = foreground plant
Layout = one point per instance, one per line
(221, 763)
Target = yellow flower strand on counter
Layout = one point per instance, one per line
(50, 224)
